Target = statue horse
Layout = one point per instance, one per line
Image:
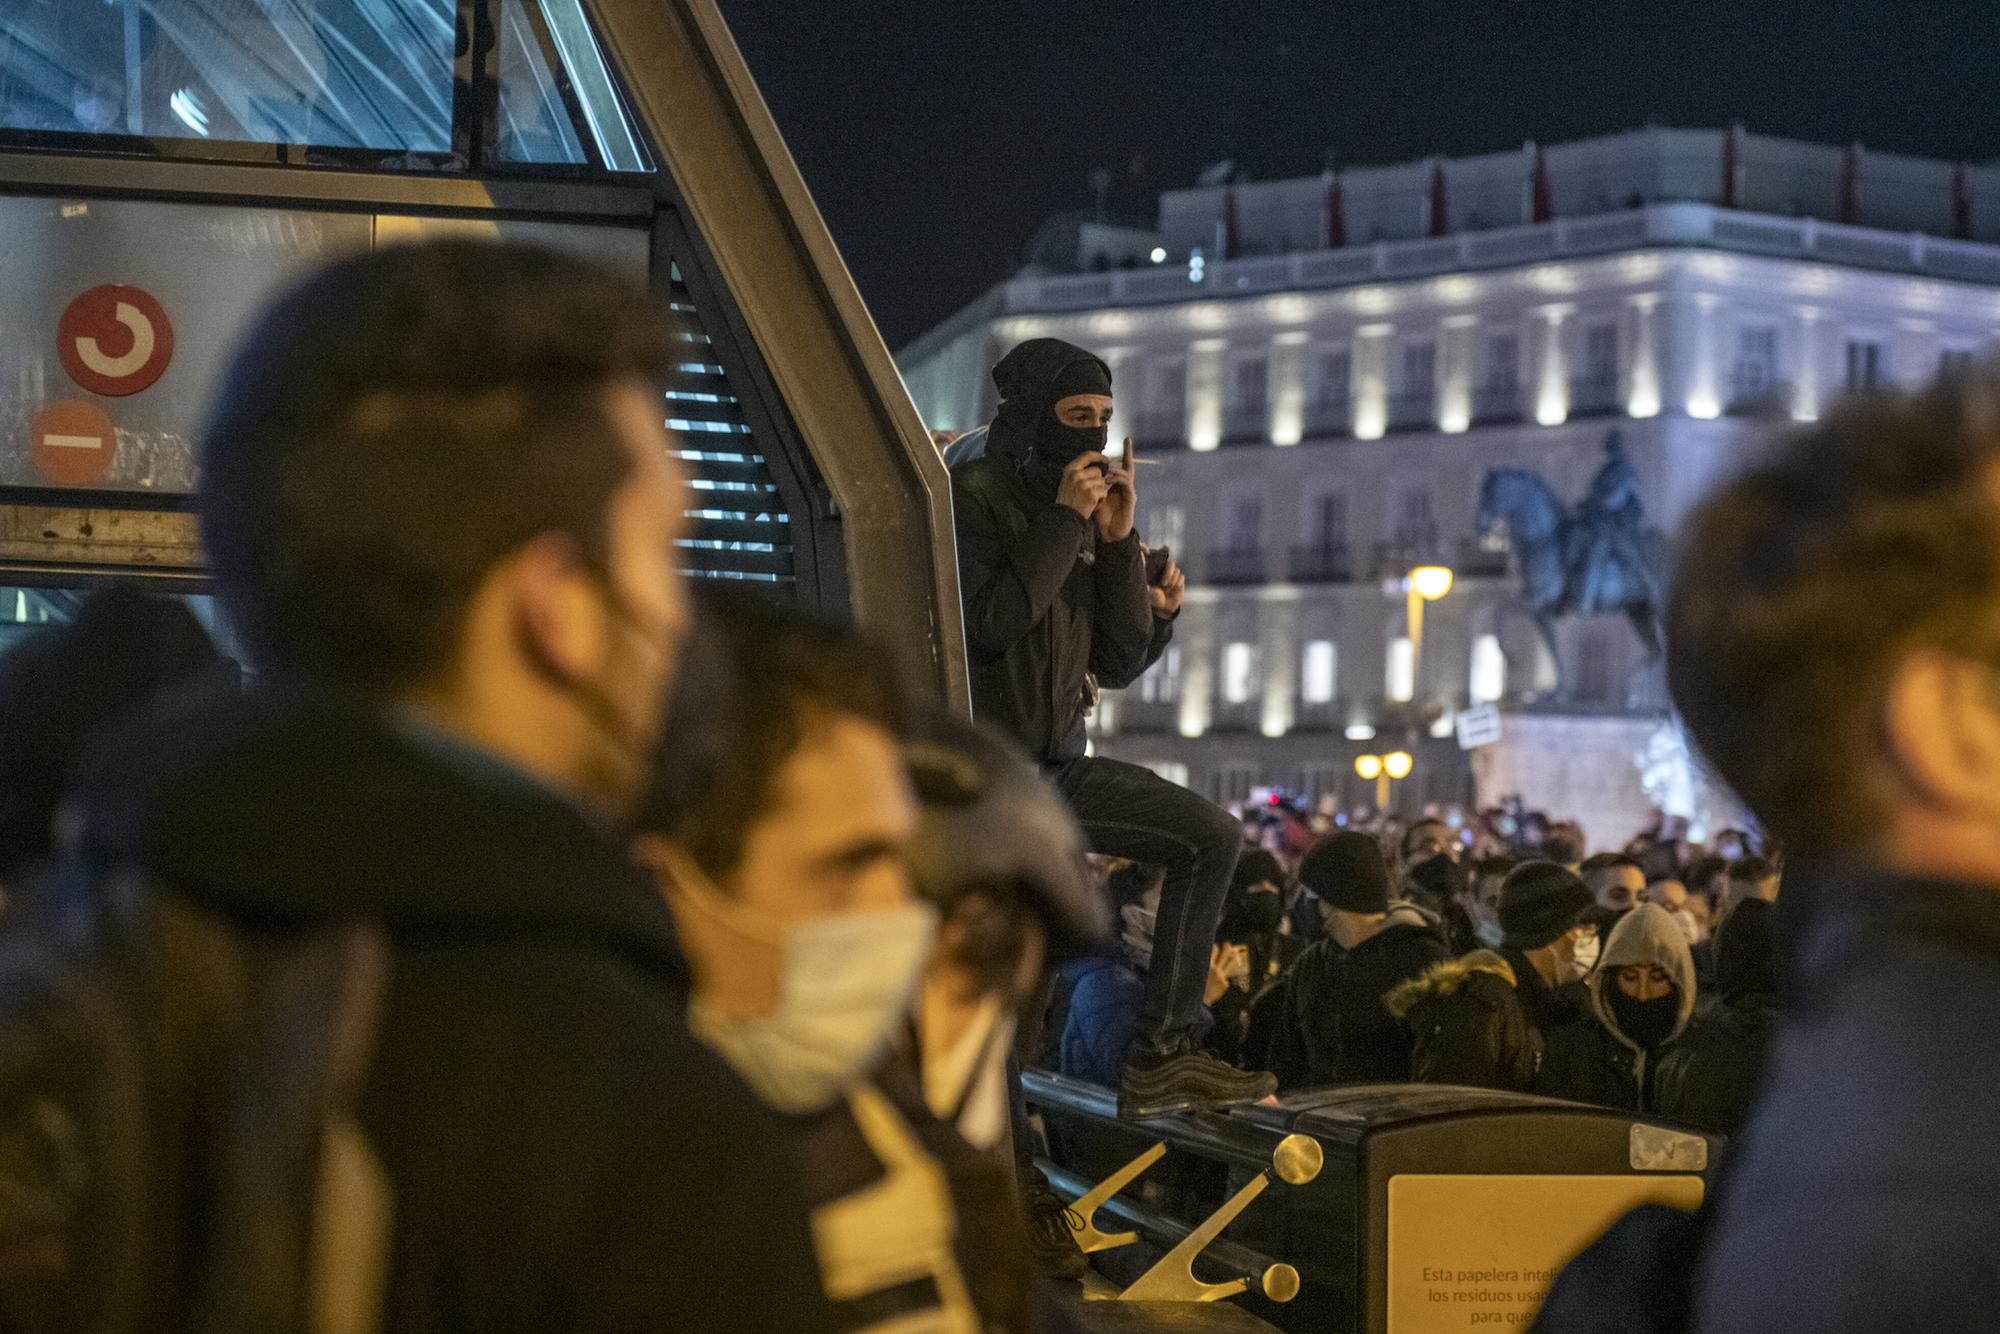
(1598, 559)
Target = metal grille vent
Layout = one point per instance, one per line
(740, 528)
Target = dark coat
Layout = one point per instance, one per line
(1467, 1025)
(1860, 1195)
(562, 1154)
(1049, 606)
(1707, 1078)
(1591, 1059)
(1345, 1032)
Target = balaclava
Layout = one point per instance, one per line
(1055, 444)
(1646, 1022)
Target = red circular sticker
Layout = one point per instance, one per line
(72, 443)
(115, 340)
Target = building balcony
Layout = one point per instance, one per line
(1493, 404)
(1323, 563)
(1755, 396)
(1396, 558)
(1332, 418)
(1659, 224)
(1231, 566)
(1593, 395)
(1159, 430)
(1249, 424)
(1478, 561)
(1413, 411)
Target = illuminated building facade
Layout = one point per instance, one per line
(1325, 415)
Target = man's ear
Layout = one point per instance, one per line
(557, 613)
(1941, 714)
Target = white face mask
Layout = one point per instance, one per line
(1488, 932)
(967, 1085)
(845, 985)
(1585, 959)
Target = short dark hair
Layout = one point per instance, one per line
(1751, 870)
(398, 423)
(1805, 581)
(755, 679)
(1704, 869)
(1424, 822)
(1610, 861)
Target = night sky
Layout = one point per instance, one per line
(937, 134)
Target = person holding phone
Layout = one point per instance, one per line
(1058, 604)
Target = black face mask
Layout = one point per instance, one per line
(1646, 1022)
(1056, 445)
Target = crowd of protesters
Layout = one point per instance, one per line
(515, 939)
(1446, 950)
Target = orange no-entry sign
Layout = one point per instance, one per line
(72, 443)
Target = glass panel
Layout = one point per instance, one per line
(535, 121)
(24, 611)
(558, 100)
(342, 74)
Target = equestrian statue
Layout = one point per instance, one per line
(1602, 558)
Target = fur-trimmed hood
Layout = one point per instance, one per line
(1446, 978)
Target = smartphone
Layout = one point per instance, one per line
(1157, 560)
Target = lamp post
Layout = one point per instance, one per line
(1382, 770)
(1426, 583)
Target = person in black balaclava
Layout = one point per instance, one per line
(1057, 605)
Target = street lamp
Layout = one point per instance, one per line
(1382, 770)
(1426, 583)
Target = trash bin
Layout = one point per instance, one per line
(1451, 1209)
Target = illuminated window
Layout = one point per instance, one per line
(1754, 373)
(1172, 771)
(1162, 684)
(1400, 672)
(1239, 672)
(1316, 679)
(1489, 670)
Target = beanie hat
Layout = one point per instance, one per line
(1347, 872)
(1539, 902)
(1085, 375)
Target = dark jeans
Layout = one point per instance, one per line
(1130, 812)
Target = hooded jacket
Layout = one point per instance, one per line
(1592, 1060)
(1051, 609)
(1467, 1024)
(1345, 1033)
(560, 1152)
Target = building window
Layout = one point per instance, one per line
(1503, 361)
(1755, 372)
(1317, 674)
(1173, 771)
(1336, 377)
(1329, 521)
(1233, 783)
(1252, 380)
(1864, 363)
(1239, 673)
(1166, 389)
(1162, 684)
(1416, 529)
(1593, 670)
(1600, 353)
(1400, 672)
(1420, 361)
(1246, 524)
(1163, 526)
(1489, 670)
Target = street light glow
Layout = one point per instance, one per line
(1159, 255)
(1368, 766)
(1397, 763)
(1430, 582)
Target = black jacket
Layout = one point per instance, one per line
(562, 1154)
(1345, 1033)
(1707, 1078)
(1048, 605)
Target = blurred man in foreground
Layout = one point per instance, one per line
(440, 505)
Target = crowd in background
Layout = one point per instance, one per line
(1486, 948)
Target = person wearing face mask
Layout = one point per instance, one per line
(459, 655)
(778, 824)
(1543, 912)
(1641, 997)
(1057, 607)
